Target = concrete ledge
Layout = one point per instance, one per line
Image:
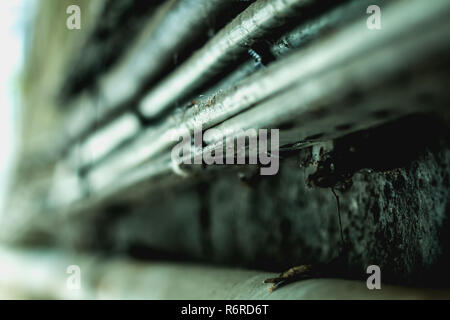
(42, 274)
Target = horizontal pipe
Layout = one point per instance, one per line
(296, 38)
(421, 34)
(231, 41)
(181, 21)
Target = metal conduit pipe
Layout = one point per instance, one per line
(174, 25)
(298, 67)
(236, 37)
(296, 38)
(286, 44)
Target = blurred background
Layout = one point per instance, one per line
(93, 92)
(13, 36)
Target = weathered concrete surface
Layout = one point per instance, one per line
(393, 185)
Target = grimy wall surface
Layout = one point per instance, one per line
(362, 114)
